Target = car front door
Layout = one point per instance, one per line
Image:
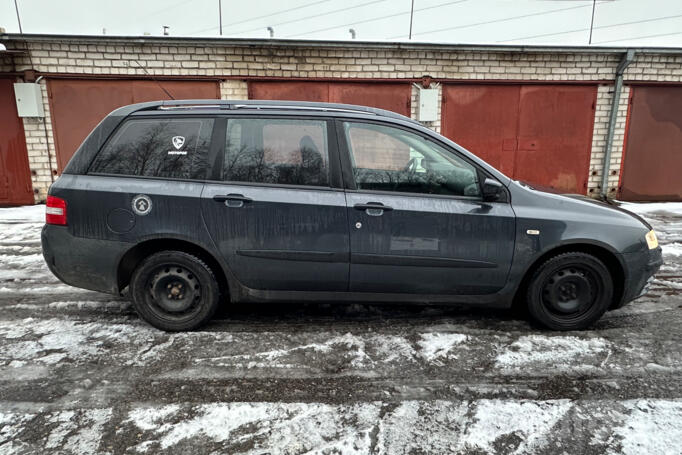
(418, 223)
(274, 216)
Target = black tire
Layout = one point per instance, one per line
(174, 291)
(569, 291)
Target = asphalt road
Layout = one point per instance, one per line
(79, 373)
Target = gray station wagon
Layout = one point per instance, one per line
(192, 203)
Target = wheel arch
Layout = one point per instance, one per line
(131, 258)
(603, 253)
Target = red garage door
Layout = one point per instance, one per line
(384, 95)
(652, 163)
(15, 175)
(77, 106)
(541, 134)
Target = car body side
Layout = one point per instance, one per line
(87, 253)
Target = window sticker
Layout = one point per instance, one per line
(178, 142)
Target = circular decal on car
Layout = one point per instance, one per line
(142, 204)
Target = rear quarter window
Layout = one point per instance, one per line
(166, 148)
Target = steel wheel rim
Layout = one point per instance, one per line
(571, 291)
(174, 292)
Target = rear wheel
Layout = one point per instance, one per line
(174, 291)
(570, 291)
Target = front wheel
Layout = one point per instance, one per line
(174, 291)
(570, 291)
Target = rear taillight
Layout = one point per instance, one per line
(55, 211)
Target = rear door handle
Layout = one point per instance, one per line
(373, 208)
(232, 199)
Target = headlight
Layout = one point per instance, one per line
(651, 239)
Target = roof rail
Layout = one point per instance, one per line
(288, 107)
(259, 104)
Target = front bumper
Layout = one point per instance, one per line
(81, 262)
(640, 270)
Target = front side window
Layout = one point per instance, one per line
(392, 159)
(168, 148)
(278, 151)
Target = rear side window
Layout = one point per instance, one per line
(169, 148)
(279, 151)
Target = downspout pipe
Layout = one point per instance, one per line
(625, 61)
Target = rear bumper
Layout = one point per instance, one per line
(81, 262)
(641, 268)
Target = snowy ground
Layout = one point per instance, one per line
(79, 373)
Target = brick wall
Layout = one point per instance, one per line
(231, 60)
(601, 119)
(285, 61)
(232, 89)
(6, 64)
(41, 152)
(655, 67)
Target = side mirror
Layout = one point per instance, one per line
(492, 190)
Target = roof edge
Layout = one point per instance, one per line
(274, 42)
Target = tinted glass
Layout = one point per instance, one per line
(392, 159)
(171, 148)
(292, 152)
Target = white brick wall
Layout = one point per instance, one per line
(601, 119)
(232, 61)
(283, 61)
(655, 67)
(41, 152)
(232, 89)
(6, 64)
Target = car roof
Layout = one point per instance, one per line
(274, 107)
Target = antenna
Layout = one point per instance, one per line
(154, 79)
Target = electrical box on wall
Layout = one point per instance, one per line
(427, 105)
(29, 99)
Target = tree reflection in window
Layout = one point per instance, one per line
(392, 159)
(291, 152)
(146, 148)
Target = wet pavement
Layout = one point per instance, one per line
(80, 373)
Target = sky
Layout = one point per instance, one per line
(616, 22)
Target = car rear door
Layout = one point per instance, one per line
(417, 221)
(276, 210)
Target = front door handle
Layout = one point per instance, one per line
(373, 208)
(232, 199)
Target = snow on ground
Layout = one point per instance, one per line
(553, 352)
(673, 208)
(525, 423)
(80, 373)
(26, 266)
(482, 426)
(23, 215)
(439, 345)
(651, 427)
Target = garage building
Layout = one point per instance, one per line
(542, 114)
